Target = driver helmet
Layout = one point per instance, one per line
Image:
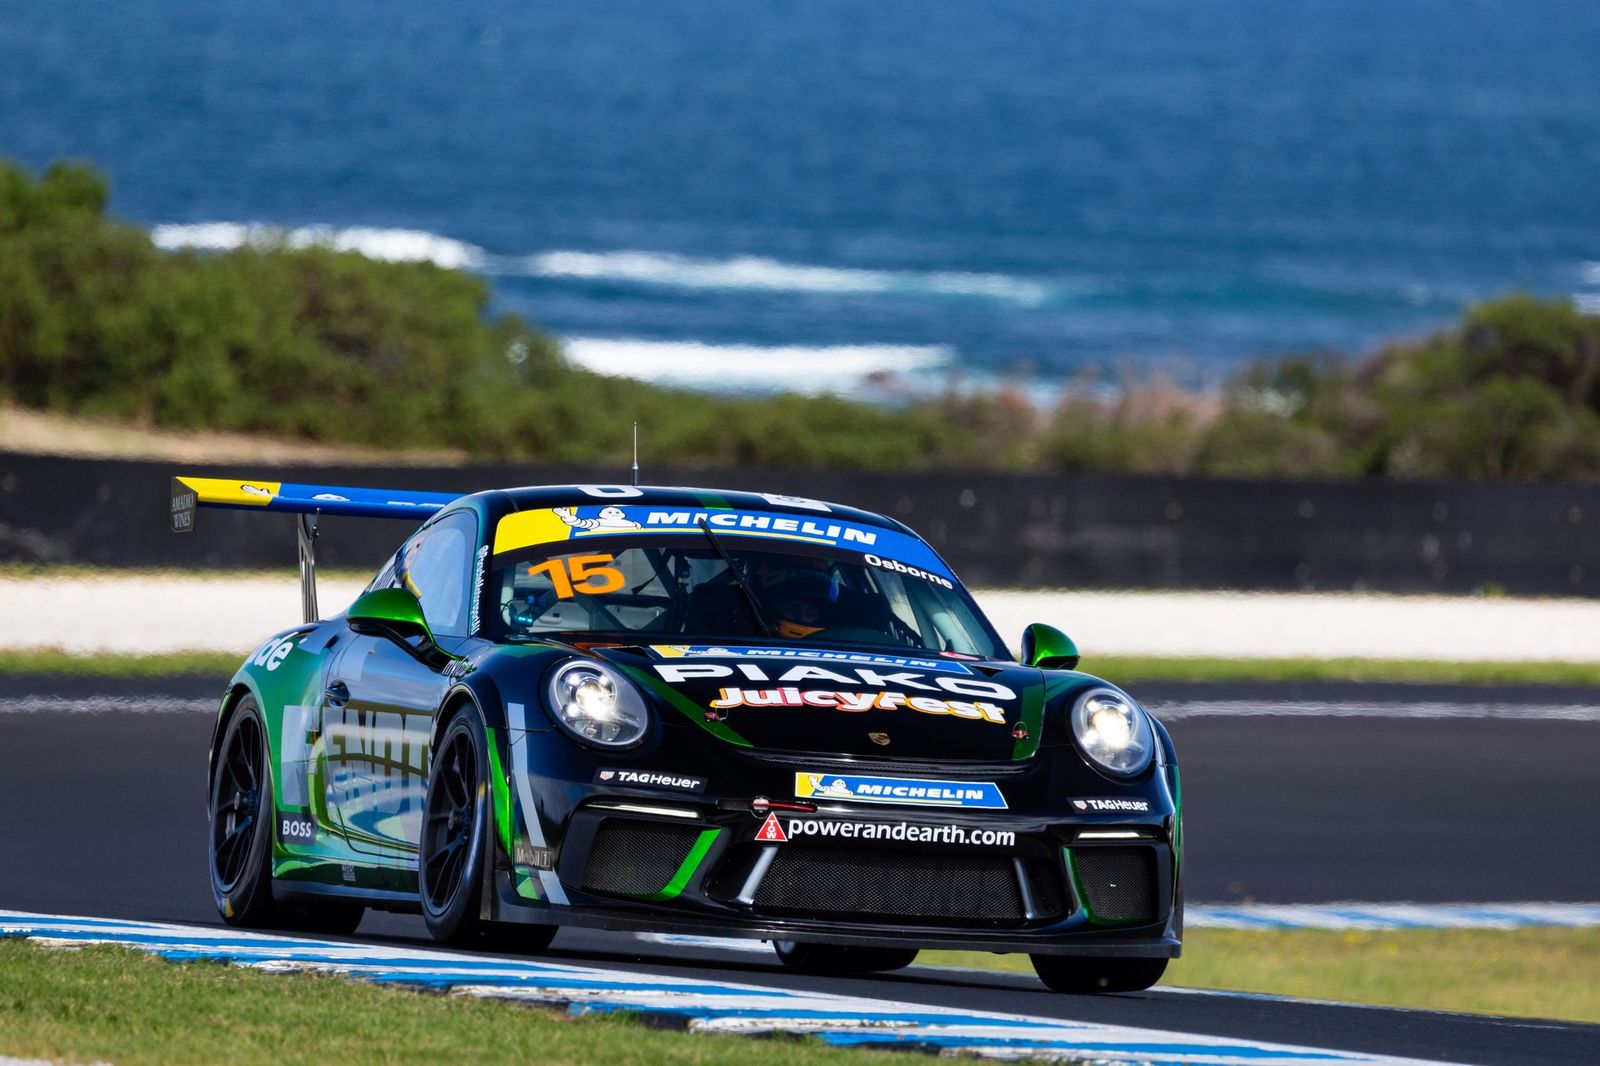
(802, 600)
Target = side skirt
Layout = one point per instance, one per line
(380, 899)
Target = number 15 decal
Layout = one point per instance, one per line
(573, 574)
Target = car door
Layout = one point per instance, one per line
(379, 699)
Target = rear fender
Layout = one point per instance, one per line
(285, 671)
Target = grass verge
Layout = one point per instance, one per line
(219, 664)
(1533, 973)
(117, 1005)
(1124, 670)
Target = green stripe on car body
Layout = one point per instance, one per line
(1031, 720)
(686, 870)
(500, 790)
(693, 712)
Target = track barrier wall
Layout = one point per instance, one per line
(996, 530)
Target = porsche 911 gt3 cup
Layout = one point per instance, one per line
(685, 711)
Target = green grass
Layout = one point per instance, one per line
(1535, 973)
(1123, 670)
(117, 1005)
(218, 664)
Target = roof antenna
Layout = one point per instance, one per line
(636, 455)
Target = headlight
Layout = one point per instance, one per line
(1113, 731)
(598, 705)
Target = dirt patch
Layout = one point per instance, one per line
(37, 433)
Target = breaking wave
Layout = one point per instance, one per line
(1589, 302)
(390, 245)
(852, 369)
(771, 275)
(656, 269)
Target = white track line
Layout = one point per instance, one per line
(702, 1005)
(1548, 712)
(1392, 915)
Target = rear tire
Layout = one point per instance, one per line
(240, 853)
(1087, 977)
(841, 961)
(239, 850)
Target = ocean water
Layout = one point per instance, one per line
(856, 195)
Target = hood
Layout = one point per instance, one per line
(796, 697)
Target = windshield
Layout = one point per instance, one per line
(681, 585)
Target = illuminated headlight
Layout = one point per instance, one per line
(597, 705)
(1113, 731)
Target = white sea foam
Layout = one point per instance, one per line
(660, 269)
(722, 367)
(770, 275)
(390, 245)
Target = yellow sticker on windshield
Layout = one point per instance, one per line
(525, 528)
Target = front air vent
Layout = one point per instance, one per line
(1118, 884)
(855, 882)
(636, 858)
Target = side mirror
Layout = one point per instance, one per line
(1048, 648)
(396, 615)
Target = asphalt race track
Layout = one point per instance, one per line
(103, 814)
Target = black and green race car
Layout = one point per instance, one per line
(686, 711)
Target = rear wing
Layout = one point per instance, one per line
(189, 494)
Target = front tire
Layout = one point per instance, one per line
(841, 961)
(1087, 977)
(457, 835)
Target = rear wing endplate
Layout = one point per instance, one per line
(189, 494)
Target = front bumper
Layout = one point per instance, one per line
(891, 877)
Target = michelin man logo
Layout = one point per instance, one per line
(610, 518)
(835, 789)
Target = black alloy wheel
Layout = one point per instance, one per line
(831, 959)
(241, 794)
(236, 799)
(1093, 976)
(240, 852)
(457, 841)
(452, 816)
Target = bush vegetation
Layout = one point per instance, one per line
(315, 344)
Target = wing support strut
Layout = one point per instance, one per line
(307, 538)
(308, 503)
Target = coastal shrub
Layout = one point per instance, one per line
(320, 345)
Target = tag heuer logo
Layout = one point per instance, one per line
(880, 739)
(1082, 806)
(607, 775)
